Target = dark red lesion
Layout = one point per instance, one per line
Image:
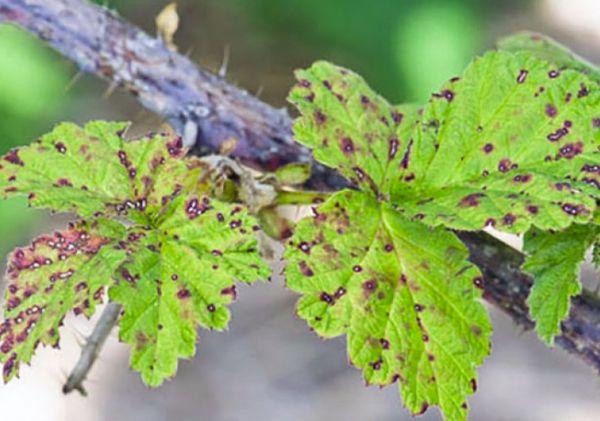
(305, 269)
(63, 182)
(393, 147)
(319, 117)
(406, 157)
(347, 145)
(551, 110)
(195, 207)
(471, 200)
(397, 117)
(583, 90)
(369, 286)
(175, 147)
(574, 209)
(505, 165)
(13, 157)
(509, 219)
(560, 132)
(522, 178)
(60, 147)
(231, 291)
(447, 94)
(532, 209)
(570, 150)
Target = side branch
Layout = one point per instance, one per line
(205, 106)
(92, 348)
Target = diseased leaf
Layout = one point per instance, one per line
(94, 171)
(348, 126)
(181, 275)
(57, 273)
(553, 260)
(548, 50)
(404, 294)
(172, 264)
(513, 142)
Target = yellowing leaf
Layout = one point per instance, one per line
(171, 256)
(57, 273)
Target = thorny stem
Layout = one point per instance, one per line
(92, 348)
(198, 102)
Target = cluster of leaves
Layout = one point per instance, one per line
(512, 144)
(151, 234)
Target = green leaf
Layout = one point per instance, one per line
(182, 274)
(553, 260)
(509, 144)
(404, 294)
(170, 260)
(548, 50)
(512, 143)
(94, 171)
(348, 126)
(57, 273)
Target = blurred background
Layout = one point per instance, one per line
(268, 365)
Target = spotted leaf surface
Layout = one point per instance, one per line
(548, 50)
(93, 171)
(57, 273)
(514, 142)
(403, 293)
(182, 275)
(170, 254)
(553, 259)
(348, 126)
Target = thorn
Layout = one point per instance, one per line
(223, 70)
(73, 81)
(80, 338)
(109, 91)
(259, 91)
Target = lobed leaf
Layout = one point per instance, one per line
(348, 126)
(171, 259)
(553, 260)
(57, 273)
(513, 142)
(182, 274)
(403, 293)
(93, 171)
